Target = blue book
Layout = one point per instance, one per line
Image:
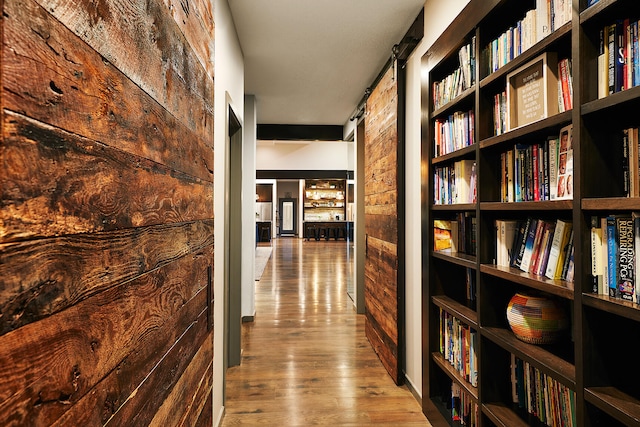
(591, 2)
(635, 47)
(528, 246)
(612, 256)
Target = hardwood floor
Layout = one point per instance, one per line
(306, 360)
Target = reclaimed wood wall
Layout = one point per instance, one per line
(106, 215)
(381, 284)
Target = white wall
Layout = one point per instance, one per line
(437, 16)
(304, 155)
(229, 89)
(248, 301)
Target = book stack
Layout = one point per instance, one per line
(457, 235)
(500, 113)
(538, 23)
(542, 396)
(536, 246)
(618, 57)
(458, 346)
(455, 183)
(464, 409)
(454, 132)
(631, 162)
(460, 80)
(539, 171)
(615, 255)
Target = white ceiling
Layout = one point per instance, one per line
(310, 61)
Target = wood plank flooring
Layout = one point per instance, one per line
(306, 360)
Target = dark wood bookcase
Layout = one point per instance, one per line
(598, 356)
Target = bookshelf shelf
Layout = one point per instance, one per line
(626, 309)
(552, 365)
(458, 207)
(502, 415)
(559, 288)
(617, 101)
(465, 314)
(611, 204)
(616, 403)
(543, 45)
(547, 205)
(458, 258)
(454, 375)
(594, 11)
(533, 130)
(465, 96)
(463, 152)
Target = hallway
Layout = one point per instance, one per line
(306, 360)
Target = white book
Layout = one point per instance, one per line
(556, 247)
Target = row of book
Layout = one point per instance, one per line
(456, 235)
(456, 183)
(538, 23)
(538, 171)
(458, 346)
(460, 80)
(615, 255)
(536, 246)
(551, 402)
(464, 409)
(565, 98)
(454, 133)
(618, 57)
(631, 162)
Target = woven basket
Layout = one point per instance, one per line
(536, 319)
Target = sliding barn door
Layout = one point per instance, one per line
(383, 287)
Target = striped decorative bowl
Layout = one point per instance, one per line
(536, 319)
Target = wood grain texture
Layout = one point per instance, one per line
(142, 40)
(381, 223)
(195, 20)
(50, 75)
(97, 406)
(39, 278)
(57, 183)
(189, 393)
(45, 366)
(146, 401)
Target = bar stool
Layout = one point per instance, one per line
(265, 233)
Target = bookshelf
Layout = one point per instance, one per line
(588, 367)
(325, 200)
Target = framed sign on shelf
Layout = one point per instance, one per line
(532, 90)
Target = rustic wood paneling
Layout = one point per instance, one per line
(97, 406)
(381, 223)
(58, 183)
(106, 215)
(141, 39)
(86, 95)
(43, 277)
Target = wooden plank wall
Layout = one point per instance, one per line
(381, 222)
(106, 215)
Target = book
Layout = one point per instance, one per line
(519, 242)
(565, 164)
(554, 142)
(537, 243)
(610, 34)
(612, 256)
(625, 258)
(636, 243)
(560, 237)
(603, 77)
(620, 55)
(596, 255)
(527, 252)
(506, 231)
(545, 248)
